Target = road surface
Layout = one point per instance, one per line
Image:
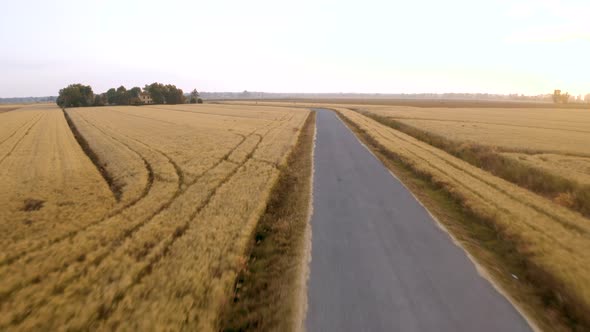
(379, 261)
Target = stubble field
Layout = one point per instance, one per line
(132, 217)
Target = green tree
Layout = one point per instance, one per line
(75, 95)
(173, 95)
(156, 91)
(100, 100)
(122, 96)
(111, 96)
(133, 95)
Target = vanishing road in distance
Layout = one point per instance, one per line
(379, 260)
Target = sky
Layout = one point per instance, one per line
(471, 46)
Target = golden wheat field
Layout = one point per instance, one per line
(150, 235)
(555, 140)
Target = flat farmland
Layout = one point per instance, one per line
(511, 184)
(132, 217)
(565, 131)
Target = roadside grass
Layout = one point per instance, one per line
(527, 285)
(563, 191)
(268, 290)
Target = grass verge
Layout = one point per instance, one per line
(507, 267)
(267, 290)
(561, 190)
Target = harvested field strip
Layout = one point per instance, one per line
(551, 238)
(490, 159)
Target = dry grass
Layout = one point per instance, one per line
(552, 240)
(193, 181)
(268, 292)
(568, 167)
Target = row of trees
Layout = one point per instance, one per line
(75, 95)
(79, 95)
(564, 98)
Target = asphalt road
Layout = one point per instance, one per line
(379, 261)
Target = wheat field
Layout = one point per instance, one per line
(149, 236)
(555, 140)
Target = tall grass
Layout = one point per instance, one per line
(267, 289)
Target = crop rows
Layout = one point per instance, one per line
(192, 184)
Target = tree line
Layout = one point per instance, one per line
(79, 95)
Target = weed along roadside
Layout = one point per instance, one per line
(268, 290)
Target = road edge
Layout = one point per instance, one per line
(270, 291)
(482, 270)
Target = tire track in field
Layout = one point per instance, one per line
(119, 241)
(143, 117)
(83, 265)
(21, 139)
(207, 113)
(58, 240)
(19, 128)
(113, 213)
(180, 231)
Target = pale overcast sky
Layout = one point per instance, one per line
(516, 46)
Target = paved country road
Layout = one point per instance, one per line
(379, 261)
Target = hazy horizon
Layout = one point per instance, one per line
(498, 47)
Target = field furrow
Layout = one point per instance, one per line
(170, 168)
(51, 167)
